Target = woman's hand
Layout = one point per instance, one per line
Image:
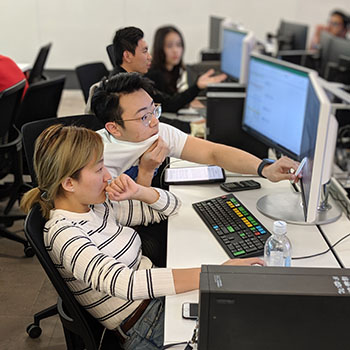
(122, 188)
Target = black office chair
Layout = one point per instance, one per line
(40, 101)
(11, 162)
(89, 74)
(81, 330)
(30, 133)
(111, 55)
(32, 130)
(36, 73)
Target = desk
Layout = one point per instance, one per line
(191, 244)
(333, 232)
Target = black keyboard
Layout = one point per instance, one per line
(236, 229)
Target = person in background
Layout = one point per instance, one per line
(10, 74)
(87, 237)
(338, 25)
(131, 55)
(167, 68)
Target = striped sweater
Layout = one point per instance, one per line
(101, 259)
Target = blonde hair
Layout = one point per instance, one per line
(60, 152)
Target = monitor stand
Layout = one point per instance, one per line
(288, 207)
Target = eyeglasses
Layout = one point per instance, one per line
(146, 119)
(335, 24)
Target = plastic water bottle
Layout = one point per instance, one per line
(278, 249)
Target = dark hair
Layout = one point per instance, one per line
(344, 17)
(125, 39)
(105, 100)
(158, 56)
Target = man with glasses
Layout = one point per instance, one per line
(136, 143)
(337, 25)
(132, 131)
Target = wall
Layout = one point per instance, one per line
(81, 29)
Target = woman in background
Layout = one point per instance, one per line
(167, 69)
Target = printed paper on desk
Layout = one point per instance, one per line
(194, 175)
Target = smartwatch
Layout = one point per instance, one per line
(265, 161)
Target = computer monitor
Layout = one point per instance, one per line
(337, 47)
(292, 36)
(236, 48)
(214, 32)
(287, 109)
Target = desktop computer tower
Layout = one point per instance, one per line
(224, 123)
(273, 308)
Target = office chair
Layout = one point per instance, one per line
(89, 74)
(36, 73)
(11, 161)
(32, 130)
(111, 55)
(81, 330)
(40, 101)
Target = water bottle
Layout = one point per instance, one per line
(278, 249)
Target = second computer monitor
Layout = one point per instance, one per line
(287, 109)
(236, 48)
(292, 36)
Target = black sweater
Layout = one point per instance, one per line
(170, 103)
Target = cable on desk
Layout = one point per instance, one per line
(194, 340)
(324, 252)
(344, 203)
(174, 344)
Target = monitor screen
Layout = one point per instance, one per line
(231, 53)
(275, 102)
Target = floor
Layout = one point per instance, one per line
(24, 287)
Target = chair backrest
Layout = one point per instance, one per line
(89, 74)
(78, 321)
(36, 72)
(10, 100)
(111, 54)
(32, 130)
(40, 101)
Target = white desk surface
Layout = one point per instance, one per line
(333, 232)
(191, 244)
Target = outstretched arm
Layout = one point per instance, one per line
(235, 160)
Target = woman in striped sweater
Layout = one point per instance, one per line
(87, 237)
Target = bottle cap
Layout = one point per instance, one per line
(279, 227)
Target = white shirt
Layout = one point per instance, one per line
(120, 156)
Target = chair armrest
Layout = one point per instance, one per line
(16, 143)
